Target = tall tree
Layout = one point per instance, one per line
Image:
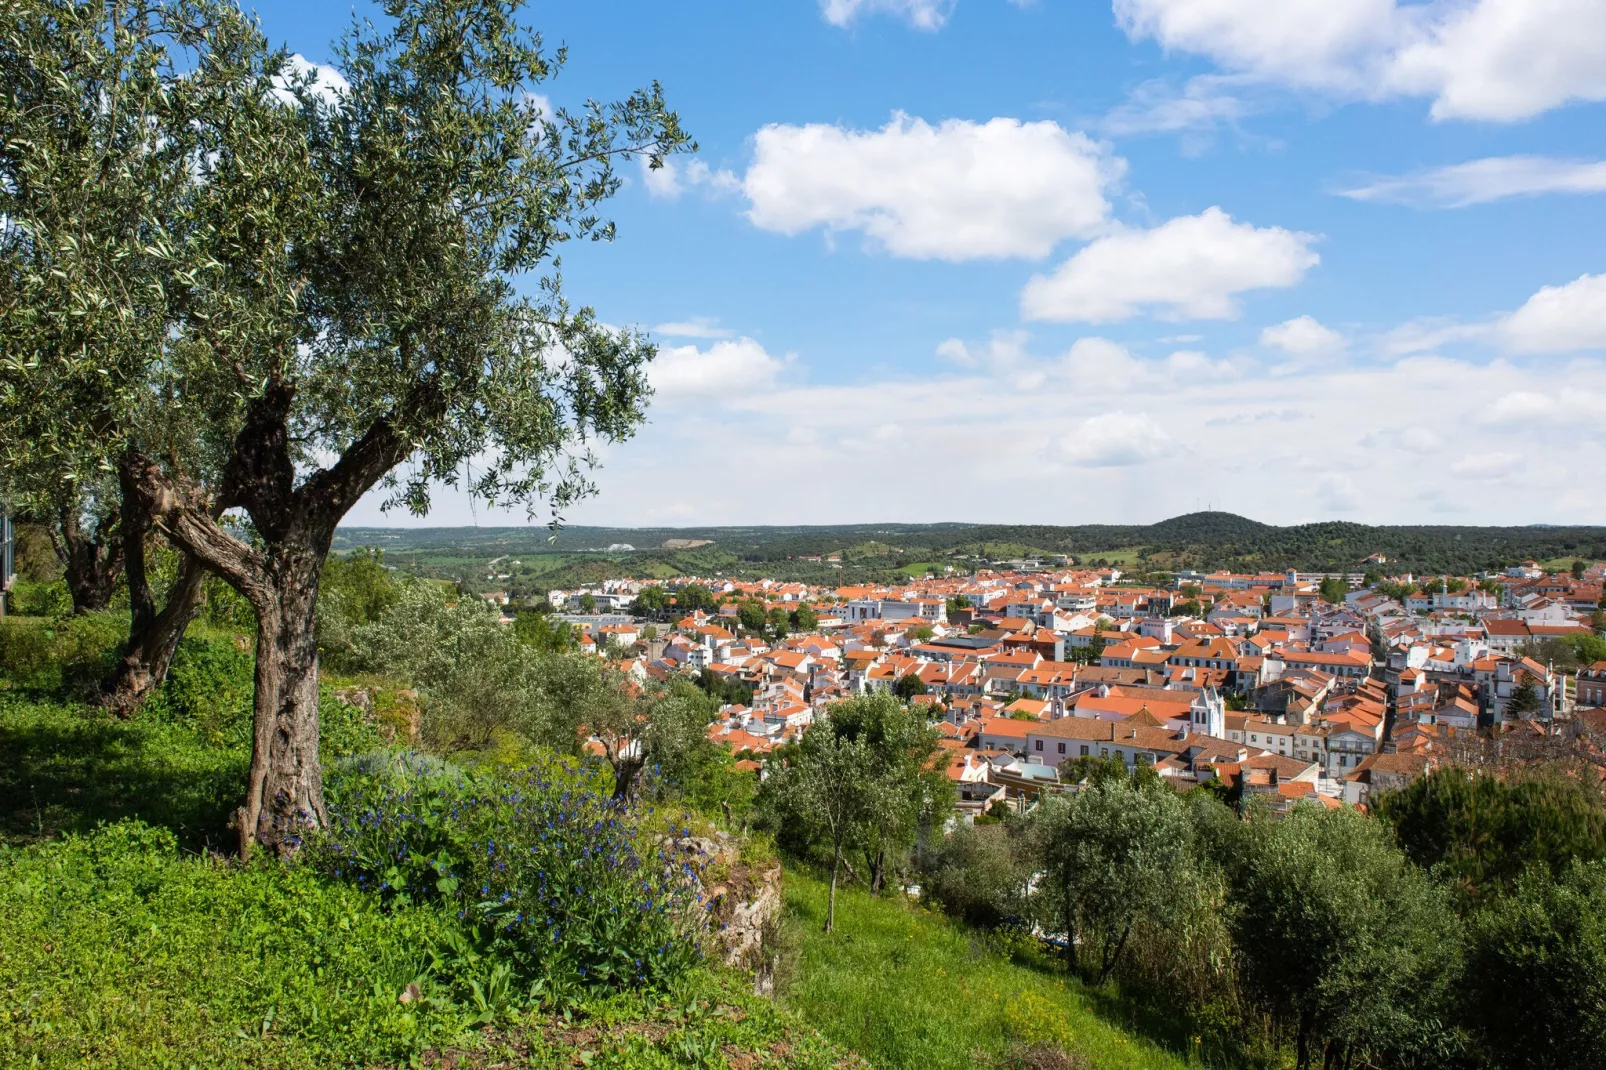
(97, 132)
(350, 305)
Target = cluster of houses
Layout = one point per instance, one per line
(1256, 682)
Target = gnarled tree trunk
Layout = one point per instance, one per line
(152, 636)
(152, 640)
(284, 793)
(296, 526)
(93, 561)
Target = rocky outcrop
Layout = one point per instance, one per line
(742, 901)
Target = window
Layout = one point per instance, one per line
(1084, 750)
(1104, 752)
(1119, 756)
(1062, 748)
(1039, 744)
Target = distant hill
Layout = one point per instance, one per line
(878, 551)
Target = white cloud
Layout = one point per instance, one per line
(1338, 492)
(1507, 59)
(695, 327)
(1521, 406)
(1100, 364)
(1302, 337)
(327, 83)
(1560, 319)
(1192, 267)
(1423, 335)
(724, 369)
(958, 190)
(1113, 440)
(1317, 43)
(1499, 60)
(671, 178)
(1482, 181)
(1004, 349)
(922, 14)
(1487, 466)
(836, 442)
(1159, 106)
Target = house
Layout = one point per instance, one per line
(1592, 685)
(1384, 772)
(1005, 734)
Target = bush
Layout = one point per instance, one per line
(39, 598)
(68, 653)
(558, 881)
(1537, 972)
(979, 874)
(208, 689)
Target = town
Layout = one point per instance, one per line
(1284, 687)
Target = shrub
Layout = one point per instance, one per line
(558, 881)
(72, 653)
(208, 690)
(979, 874)
(1536, 977)
(39, 598)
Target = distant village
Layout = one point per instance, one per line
(1287, 687)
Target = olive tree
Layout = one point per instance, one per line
(97, 133)
(1344, 940)
(1112, 856)
(350, 314)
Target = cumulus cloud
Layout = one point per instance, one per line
(1302, 337)
(1100, 364)
(922, 14)
(695, 327)
(724, 369)
(1487, 466)
(1192, 267)
(1481, 181)
(672, 178)
(327, 83)
(1113, 440)
(959, 190)
(1499, 60)
(1560, 319)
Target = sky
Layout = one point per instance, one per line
(1082, 261)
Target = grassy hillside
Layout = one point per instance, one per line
(912, 990)
(127, 942)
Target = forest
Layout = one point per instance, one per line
(571, 556)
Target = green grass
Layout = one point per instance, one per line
(920, 568)
(126, 943)
(908, 988)
(117, 950)
(65, 767)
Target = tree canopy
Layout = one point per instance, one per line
(323, 289)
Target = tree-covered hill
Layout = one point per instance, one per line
(874, 551)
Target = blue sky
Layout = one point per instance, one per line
(1056, 262)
